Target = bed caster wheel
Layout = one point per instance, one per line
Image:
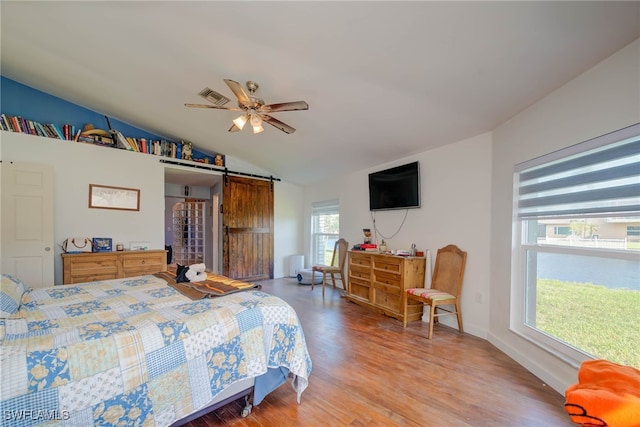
(246, 411)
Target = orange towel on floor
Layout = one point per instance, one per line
(607, 394)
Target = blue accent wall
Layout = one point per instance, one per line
(17, 99)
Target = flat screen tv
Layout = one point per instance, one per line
(395, 188)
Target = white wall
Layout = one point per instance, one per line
(288, 217)
(77, 165)
(601, 100)
(456, 194)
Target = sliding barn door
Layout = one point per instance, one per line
(247, 228)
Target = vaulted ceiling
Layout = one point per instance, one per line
(383, 79)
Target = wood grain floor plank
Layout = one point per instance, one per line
(370, 371)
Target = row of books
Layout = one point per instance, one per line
(141, 145)
(48, 130)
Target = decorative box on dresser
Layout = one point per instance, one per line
(378, 281)
(93, 266)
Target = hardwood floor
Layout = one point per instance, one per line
(370, 371)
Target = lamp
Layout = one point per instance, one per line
(256, 123)
(240, 121)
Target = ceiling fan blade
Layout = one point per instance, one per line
(217, 107)
(285, 106)
(277, 123)
(234, 128)
(237, 90)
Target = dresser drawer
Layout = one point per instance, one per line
(390, 279)
(359, 271)
(356, 259)
(360, 288)
(77, 266)
(145, 263)
(388, 301)
(391, 289)
(388, 264)
(95, 276)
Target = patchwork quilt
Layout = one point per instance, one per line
(136, 352)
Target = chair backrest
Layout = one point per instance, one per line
(340, 252)
(449, 270)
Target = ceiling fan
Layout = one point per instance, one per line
(254, 108)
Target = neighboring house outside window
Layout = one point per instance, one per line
(576, 261)
(325, 230)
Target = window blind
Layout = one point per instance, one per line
(599, 177)
(325, 208)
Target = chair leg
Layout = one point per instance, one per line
(405, 301)
(333, 279)
(324, 282)
(432, 312)
(459, 316)
(313, 278)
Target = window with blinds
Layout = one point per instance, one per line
(325, 230)
(576, 265)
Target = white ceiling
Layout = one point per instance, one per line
(384, 80)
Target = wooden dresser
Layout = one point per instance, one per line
(378, 281)
(93, 266)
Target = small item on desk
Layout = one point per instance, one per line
(413, 250)
(383, 247)
(102, 244)
(74, 245)
(367, 235)
(119, 247)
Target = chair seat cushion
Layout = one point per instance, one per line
(326, 268)
(432, 294)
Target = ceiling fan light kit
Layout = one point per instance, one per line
(240, 121)
(254, 107)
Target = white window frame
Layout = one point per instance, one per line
(321, 208)
(520, 247)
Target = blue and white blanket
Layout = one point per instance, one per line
(137, 352)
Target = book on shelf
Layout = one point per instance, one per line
(15, 126)
(40, 130)
(52, 131)
(57, 130)
(68, 131)
(23, 124)
(3, 122)
(113, 138)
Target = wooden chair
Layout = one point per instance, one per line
(340, 252)
(446, 286)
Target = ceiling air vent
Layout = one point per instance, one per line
(213, 96)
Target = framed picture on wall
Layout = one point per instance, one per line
(108, 197)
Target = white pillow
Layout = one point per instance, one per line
(11, 291)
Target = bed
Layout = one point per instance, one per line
(137, 351)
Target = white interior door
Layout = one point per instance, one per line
(26, 242)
